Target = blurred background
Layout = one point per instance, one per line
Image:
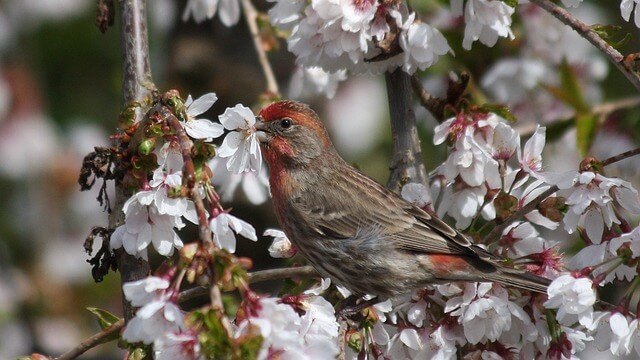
(60, 96)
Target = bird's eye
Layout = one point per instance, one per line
(286, 123)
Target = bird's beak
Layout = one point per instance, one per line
(261, 129)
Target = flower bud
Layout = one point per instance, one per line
(147, 146)
(505, 205)
(354, 339)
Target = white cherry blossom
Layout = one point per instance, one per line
(144, 225)
(309, 81)
(201, 128)
(157, 316)
(177, 345)
(201, 10)
(286, 13)
(504, 142)
(486, 20)
(591, 198)
(574, 298)
(632, 239)
(225, 225)
(166, 177)
(512, 80)
(254, 185)
(417, 194)
(422, 46)
(486, 314)
(628, 6)
(240, 146)
(530, 158)
(310, 336)
(143, 291)
(281, 247)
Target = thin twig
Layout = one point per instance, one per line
(586, 32)
(435, 105)
(603, 110)
(496, 232)
(251, 15)
(257, 276)
(613, 106)
(283, 273)
(624, 155)
(204, 231)
(92, 341)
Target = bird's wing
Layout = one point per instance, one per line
(358, 202)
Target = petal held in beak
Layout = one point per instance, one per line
(260, 125)
(261, 128)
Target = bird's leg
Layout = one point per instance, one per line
(350, 306)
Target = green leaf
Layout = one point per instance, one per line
(500, 110)
(250, 347)
(571, 93)
(586, 127)
(105, 318)
(138, 354)
(609, 33)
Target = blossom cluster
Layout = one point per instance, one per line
(356, 35)
(159, 207)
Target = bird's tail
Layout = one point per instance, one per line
(521, 279)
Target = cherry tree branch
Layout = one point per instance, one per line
(619, 157)
(496, 232)
(251, 15)
(186, 295)
(92, 341)
(257, 276)
(435, 105)
(586, 32)
(406, 164)
(602, 110)
(204, 232)
(136, 85)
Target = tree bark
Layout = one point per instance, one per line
(136, 85)
(406, 164)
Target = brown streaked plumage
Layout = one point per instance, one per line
(354, 230)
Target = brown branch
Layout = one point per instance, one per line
(283, 273)
(186, 145)
(435, 105)
(496, 232)
(186, 295)
(257, 276)
(92, 341)
(619, 157)
(603, 110)
(204, 232)
(136, 80)
(586, 32)
(251, 15)
(406, 164)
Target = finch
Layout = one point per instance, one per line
(354, 230)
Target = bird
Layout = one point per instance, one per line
(353, 230)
